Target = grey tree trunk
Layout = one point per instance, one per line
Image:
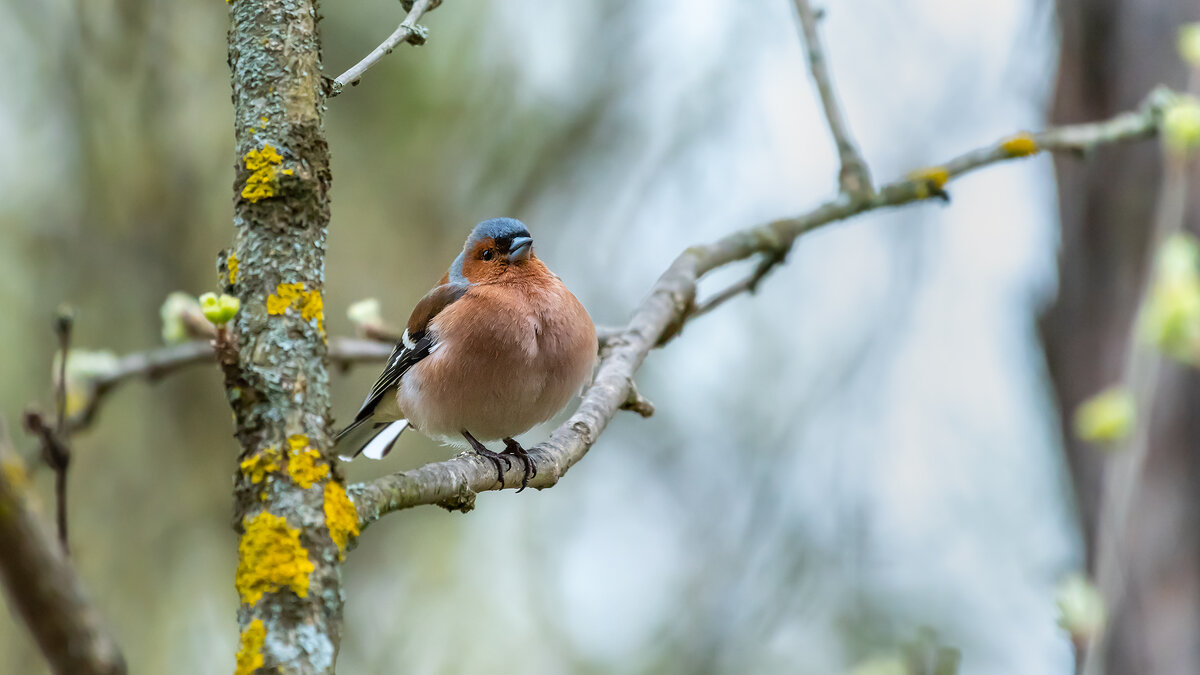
(292, 513)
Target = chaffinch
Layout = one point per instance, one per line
(499, 346)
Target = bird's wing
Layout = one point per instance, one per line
(417, 343)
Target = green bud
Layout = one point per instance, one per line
(173, 310)
(1181, 124)
(219, 309)
(1189, 44)
(1170, 319)
(1081, 609)
(1106, 417)
(365, 313)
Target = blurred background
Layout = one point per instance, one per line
(895, 401)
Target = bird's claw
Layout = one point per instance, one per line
(495, 458)
(512, 447)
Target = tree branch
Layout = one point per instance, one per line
(43, 589)
(153, 364)
(408, 31)
(671, 303)
(854, 177)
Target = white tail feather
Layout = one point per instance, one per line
(382, 443)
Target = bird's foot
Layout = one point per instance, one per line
(512, 447)
(494, 457)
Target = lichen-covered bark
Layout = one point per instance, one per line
(288, 577)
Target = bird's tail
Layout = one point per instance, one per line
(363, 437)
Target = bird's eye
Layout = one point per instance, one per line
(487, 254)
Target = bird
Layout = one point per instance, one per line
(498, 346)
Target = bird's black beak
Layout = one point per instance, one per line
(520, 249)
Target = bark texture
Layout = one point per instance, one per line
(289, 496)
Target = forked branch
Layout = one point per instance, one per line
(454, 483)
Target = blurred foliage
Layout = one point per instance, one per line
(1170, 320)
(1106, 417)
(1081, 608)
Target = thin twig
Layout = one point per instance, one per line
(854, 177)
(454, 483)
(42, 587)
(156, 363)
(56, 449)
(408, 31)
(749, 284)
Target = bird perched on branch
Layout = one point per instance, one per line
(499, 346)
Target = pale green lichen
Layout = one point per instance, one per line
(249, 655)
(340, 516)
(261, 164)
(305, 465)
(271, 558)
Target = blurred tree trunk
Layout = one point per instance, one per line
(1112, 53)
(292, 513)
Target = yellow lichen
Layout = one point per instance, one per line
(232, 264)
(261, 463)
(261, 164)
(249, 656)
(308, 303)
(929, 180)
(934, 175)
(271, 558)
(283, 297)
(304, 462)
(312, 306)
(1020, 145)
(340, 516)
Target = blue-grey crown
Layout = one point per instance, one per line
(503, 230)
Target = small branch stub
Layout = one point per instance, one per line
(853, 178)
(409, 31)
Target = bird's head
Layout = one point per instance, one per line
(496, 248)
